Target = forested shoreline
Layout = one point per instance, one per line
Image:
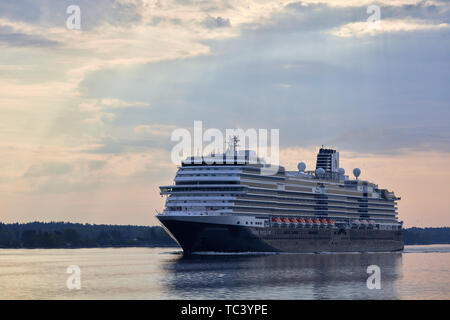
(77, 235)
(426, 235)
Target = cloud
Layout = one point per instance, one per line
(21, 10)
(25, 40)
(218, 22)
(96, 105)
(100, 111)
(105, 99)
(18, 34)
(358, 29)
(117, 103)
(66, 171)
(48, 169)
(155, 130)
(100, 118)
(310, 85)
(96, 164)
(10, 36)
(362, 3)
(52, 13)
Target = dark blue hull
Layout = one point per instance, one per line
(201, 237)
(194, 237)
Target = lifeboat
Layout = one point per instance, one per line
(330, 223)
(316, 222)
(364, 223)
(356, 223)
(286, 221)
(276, 221)
(309, 222)
(294, 222)
(301, 222)
(323, 223)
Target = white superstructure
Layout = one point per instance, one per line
(236, 188)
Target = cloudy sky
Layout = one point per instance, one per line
(86, 115)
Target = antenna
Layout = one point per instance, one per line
(234, 143)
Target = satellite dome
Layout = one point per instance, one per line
(356, 172)
(320, 172)
(301, 166)
(341, 171)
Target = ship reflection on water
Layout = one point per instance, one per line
(282, 276)
(419, 272)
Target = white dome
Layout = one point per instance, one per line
(356, 172)
(320, 172)
(301, 166)
(341, 171)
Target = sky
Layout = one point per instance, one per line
(86, 115)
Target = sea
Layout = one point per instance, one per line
(419, 272)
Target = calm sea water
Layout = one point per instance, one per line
(420, 272)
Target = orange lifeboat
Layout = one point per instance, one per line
(356, 224)
(286, 220)
(364, 223)
(323, 222)
(316, 222)
(330, 222)
(302, 221)
(294, 222)
(309, 221)
(276, 221)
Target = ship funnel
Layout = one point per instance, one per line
(328, 160)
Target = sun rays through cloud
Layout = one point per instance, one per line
(86, 115)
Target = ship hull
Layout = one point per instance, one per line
(202, 236)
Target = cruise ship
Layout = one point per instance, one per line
(231, 206)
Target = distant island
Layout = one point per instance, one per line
(76, 235)
(426, 236)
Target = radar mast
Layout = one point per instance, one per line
(233, 143)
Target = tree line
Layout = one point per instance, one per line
(426, 235)
(76, 235)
